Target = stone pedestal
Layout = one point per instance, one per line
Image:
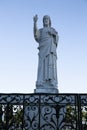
(47, 87)
(46, 90)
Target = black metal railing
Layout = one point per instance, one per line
(43, 111)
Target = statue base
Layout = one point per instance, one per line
(47, 87)
(46, 90)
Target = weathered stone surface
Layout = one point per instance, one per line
(47, 37)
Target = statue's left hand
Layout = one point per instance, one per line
(52, 32)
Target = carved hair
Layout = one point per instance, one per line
(46, 16)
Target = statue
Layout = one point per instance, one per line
(47, 37)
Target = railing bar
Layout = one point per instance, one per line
(39, 112)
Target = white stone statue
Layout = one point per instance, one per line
(47, 37)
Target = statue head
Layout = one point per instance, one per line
(46, 21)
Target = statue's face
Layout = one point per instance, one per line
(46, 21)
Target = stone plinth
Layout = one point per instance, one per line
(46, 90)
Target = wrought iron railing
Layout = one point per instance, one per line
(43, 111)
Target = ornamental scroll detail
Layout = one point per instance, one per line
(46, 112)
(42, 111)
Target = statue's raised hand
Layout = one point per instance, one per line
(35, 18)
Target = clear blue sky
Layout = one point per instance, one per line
(18, 49)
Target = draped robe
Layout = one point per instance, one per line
(47, 57)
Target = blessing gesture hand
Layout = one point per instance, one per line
(35, 18)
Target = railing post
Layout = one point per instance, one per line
(79, 113)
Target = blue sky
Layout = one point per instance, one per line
(18, 49)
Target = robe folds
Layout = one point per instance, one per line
(47, 57)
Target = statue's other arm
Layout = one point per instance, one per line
(36, 31)
(54, 34)
(56, 38)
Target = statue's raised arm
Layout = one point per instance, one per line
(36, 31)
